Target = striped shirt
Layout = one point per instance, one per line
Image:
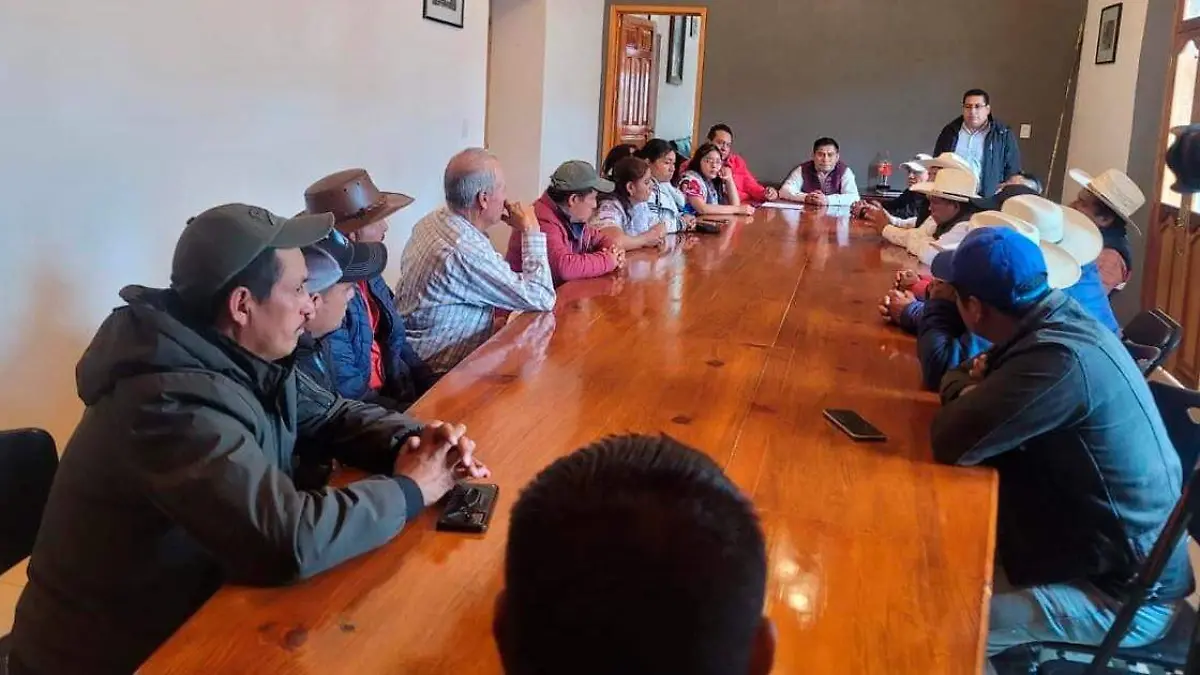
(453, 279)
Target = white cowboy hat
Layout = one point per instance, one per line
(1062, 269)
(948, 160)
(957, 185)
(1056, 224)
(1114, 188)
(916, 164)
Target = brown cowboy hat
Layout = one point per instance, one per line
(353, 199)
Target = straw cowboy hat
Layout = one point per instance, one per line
(1062, 269)
(957, 185)
(1057, 224)
(948, 160)
(353, 199)
(1113, 188)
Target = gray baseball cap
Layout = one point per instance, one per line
(224, 240)
(577, 176)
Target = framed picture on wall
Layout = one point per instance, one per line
(1110, 33)
(675, 46)
(449, 12)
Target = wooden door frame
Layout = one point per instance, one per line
(1153, 240)
(612, 61)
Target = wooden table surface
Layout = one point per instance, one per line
(881, 561)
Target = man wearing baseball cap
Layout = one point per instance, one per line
(1088, 476)
(575, 250)
(178, 478)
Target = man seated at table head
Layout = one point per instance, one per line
(748, 188)
(453, 280)
(823, 180)
(373, 359)
(988, 144)
(178, 477)
(576, 249)
(1110, 200)
(634, 555)
(1088, 475)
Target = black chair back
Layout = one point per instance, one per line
(28, 461)
(1154, 328)
(1147, 358)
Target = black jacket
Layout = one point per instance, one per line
(908, 205)
(1088, 475)
(1001, 156)
(179, 479)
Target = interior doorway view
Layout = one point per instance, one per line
(654, 75)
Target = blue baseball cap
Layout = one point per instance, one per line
(1000, 266)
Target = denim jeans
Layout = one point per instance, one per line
(1078, 613)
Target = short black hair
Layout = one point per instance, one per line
(259, 277)
(712, 131)
(634, 555)
(824, 141)
(987, 100)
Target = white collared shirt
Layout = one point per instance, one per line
(970, 146)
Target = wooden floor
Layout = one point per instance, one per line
(880, 560)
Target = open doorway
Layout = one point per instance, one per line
(654, 73)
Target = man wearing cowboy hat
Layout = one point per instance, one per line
(898, 230)
(1110, 200)
(370, 353)
(180, 476)
(1088, 475)
(988, 144)
(1068, 242)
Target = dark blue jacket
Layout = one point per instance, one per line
(405, 375)
(1088, 474)
(943, 341)
(1001, 156)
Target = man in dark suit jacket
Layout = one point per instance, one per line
(988, 144)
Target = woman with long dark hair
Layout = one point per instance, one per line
(667, 203)
(615, 155)
(625, 214)
(708, 186)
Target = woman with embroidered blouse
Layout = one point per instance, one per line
(708, 186)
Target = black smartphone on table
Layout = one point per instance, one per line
(469, 508)
(853, 425)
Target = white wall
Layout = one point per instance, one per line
(574, 39)
(122, 118)
(676, 102)
(1102, 127)
(514, 115)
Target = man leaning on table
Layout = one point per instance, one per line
(454, 281)
(178, 478)
(1088, 475)
(823, 180)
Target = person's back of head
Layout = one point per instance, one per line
(615, 156)
(635, 555)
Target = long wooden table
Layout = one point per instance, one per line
(880, 560)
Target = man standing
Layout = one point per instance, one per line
(454, 280)
(748, 187)
(1088, 475)
(988, 145)
(374, 361)
(178, 478)
(824, 180)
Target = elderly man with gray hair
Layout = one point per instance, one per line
(454, 280)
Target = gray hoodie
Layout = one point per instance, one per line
(177, 480)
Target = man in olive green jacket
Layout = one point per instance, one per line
(178, 477)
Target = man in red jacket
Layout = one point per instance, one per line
(575, 250)
(748, 187)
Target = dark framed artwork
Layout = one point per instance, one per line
(675, 50)
(449, 12)
(1109, 35)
